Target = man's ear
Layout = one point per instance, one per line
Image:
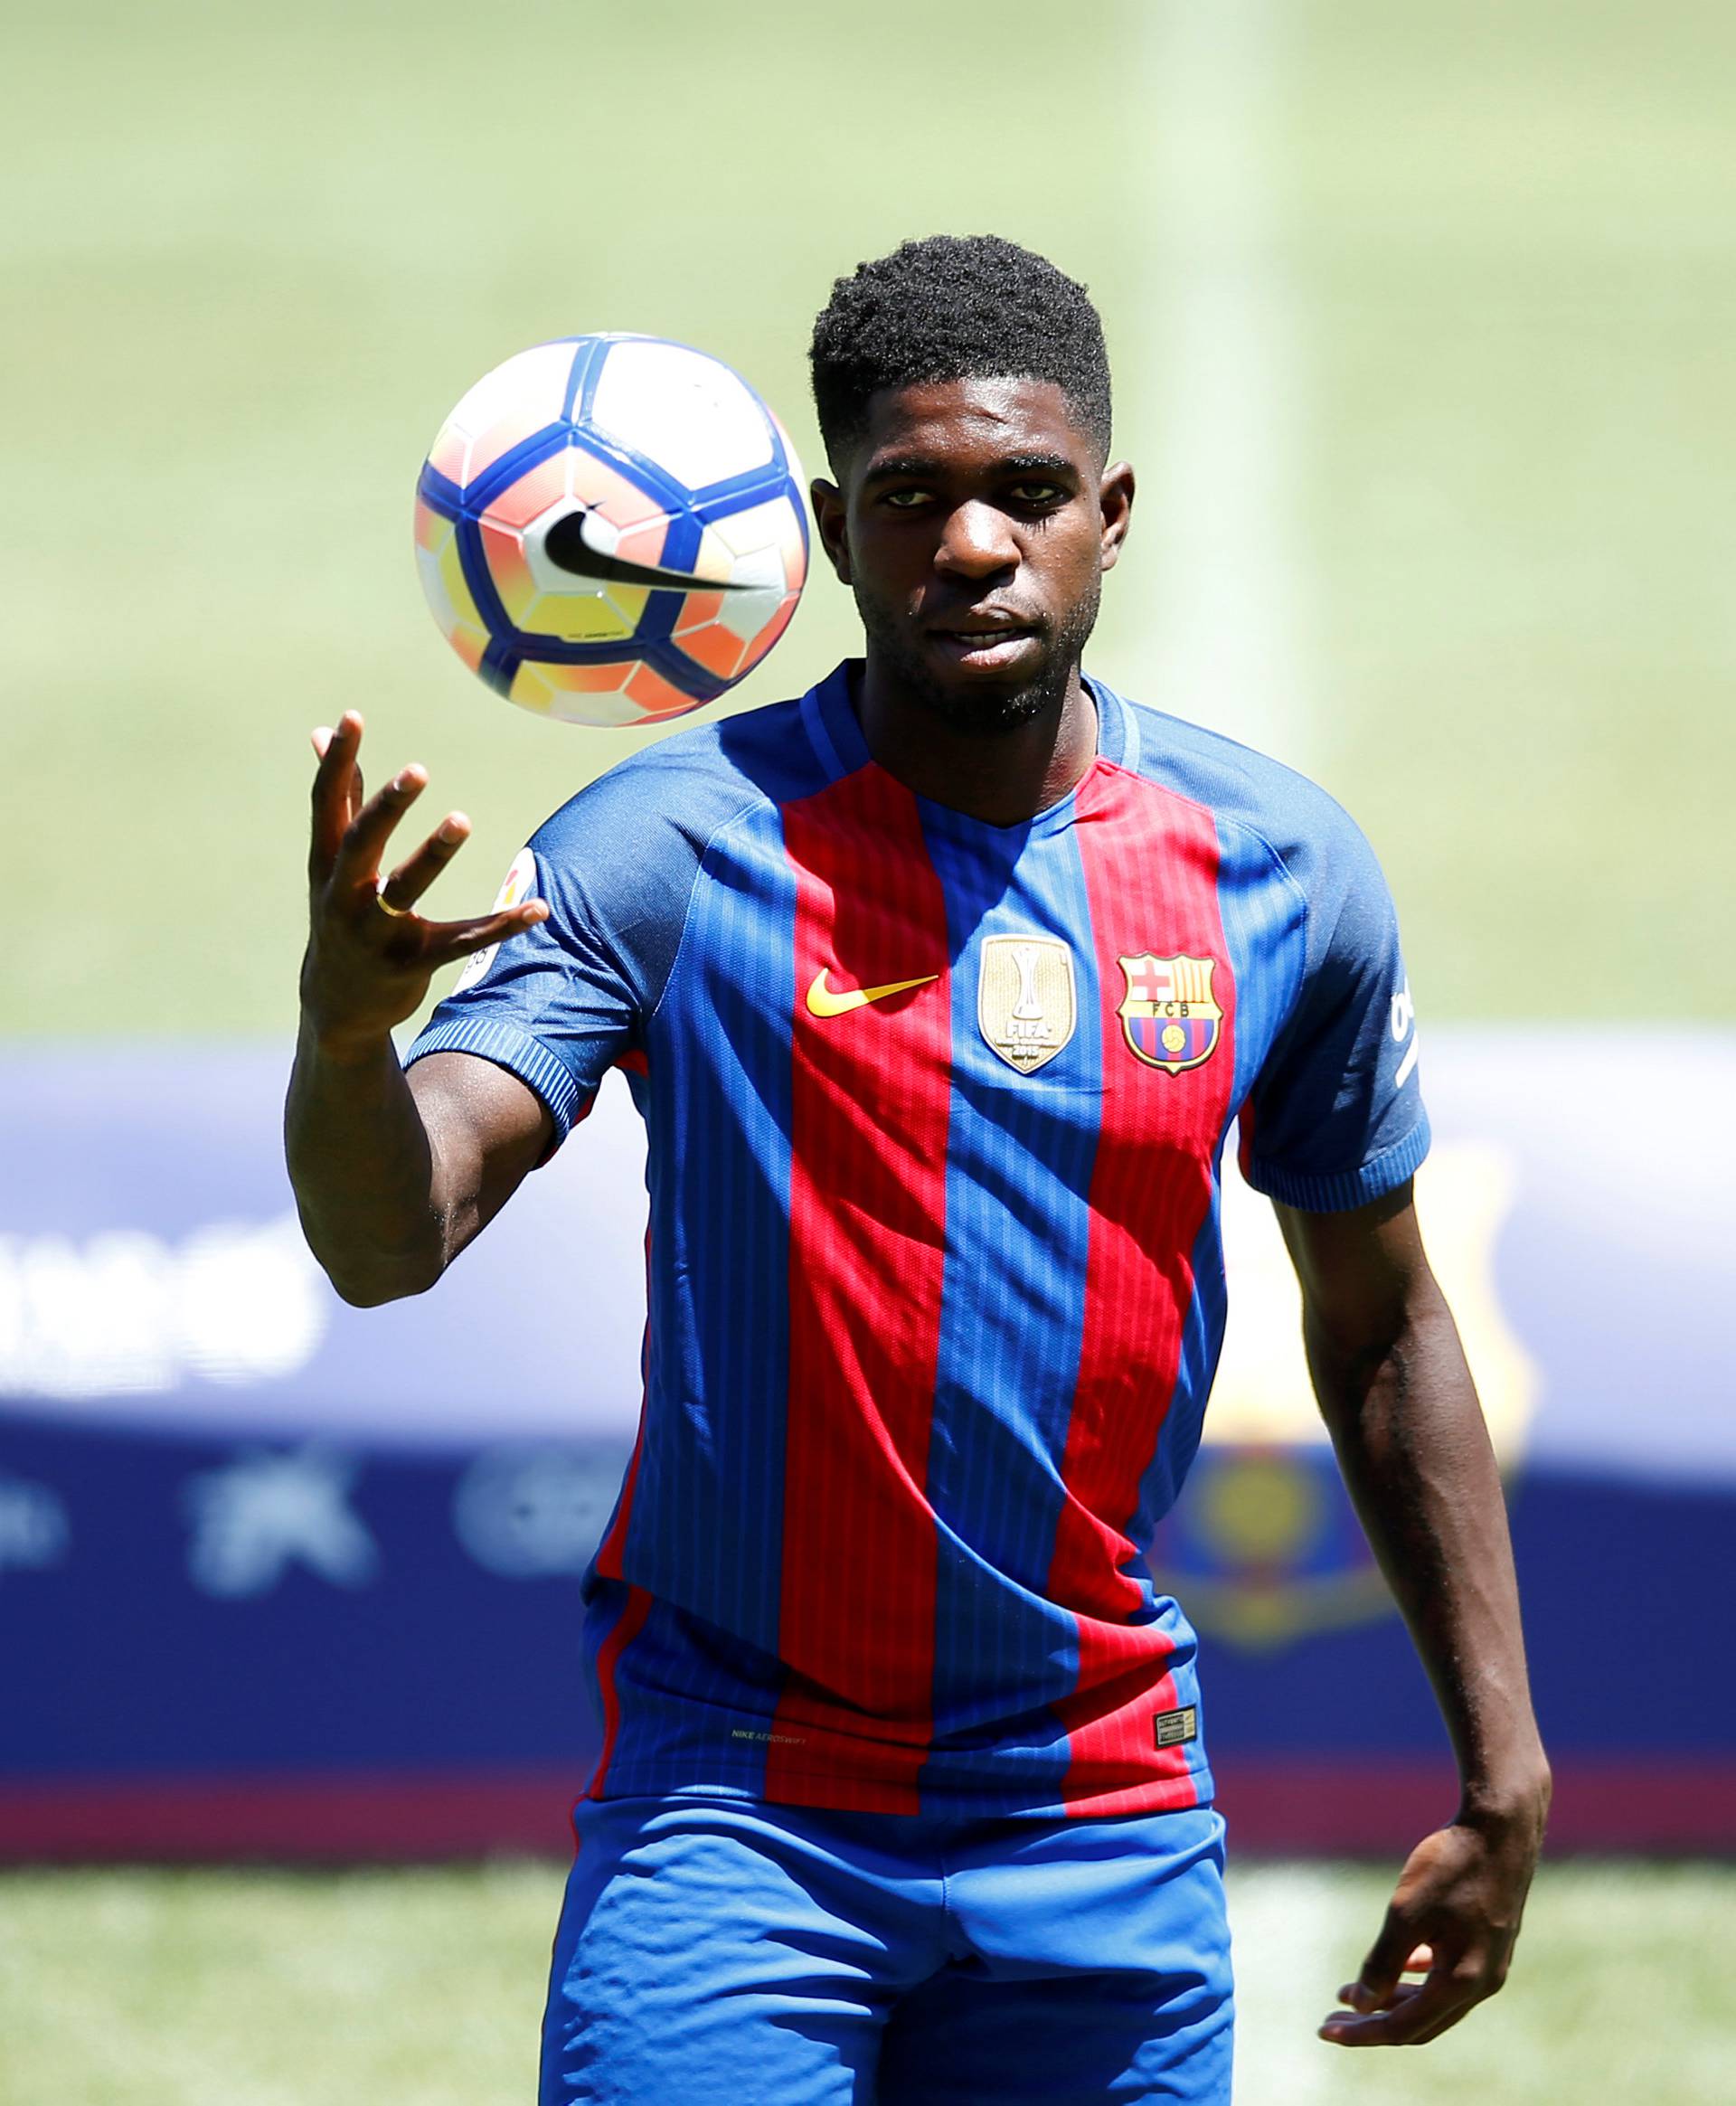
(1115, 504)
(829, 517)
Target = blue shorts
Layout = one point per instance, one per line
(727, 1950)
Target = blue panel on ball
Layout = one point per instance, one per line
(681, 671)
(480, 578)
(440, 493)
(582, 381)
(499, 663)
(742, 493)
(681, 542)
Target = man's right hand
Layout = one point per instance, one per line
(370, 956)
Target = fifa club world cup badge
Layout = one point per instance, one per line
(1026, 1006)
(1167, 1012)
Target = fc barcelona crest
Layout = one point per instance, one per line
(1026, 1006)
(1167, 1012)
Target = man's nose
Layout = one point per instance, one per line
(976, 542)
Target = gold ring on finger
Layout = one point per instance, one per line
(396, 913)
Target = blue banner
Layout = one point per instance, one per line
(277, 1574)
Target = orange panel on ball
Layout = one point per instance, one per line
(510, 572)
(769, 635)
(685, 707)
(715, 648)
(655, 695)
(696, 611)
(583, 679)
(554, 691)
(530, 497)
(469, 644)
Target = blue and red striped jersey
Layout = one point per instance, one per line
(936, 1111)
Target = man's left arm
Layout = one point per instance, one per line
(1398, 1400)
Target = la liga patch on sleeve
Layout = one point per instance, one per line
(520, 885)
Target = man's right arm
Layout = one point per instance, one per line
(392, 1174)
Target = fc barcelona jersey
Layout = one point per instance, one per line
(935, 1112)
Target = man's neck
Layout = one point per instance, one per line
(1002, 777)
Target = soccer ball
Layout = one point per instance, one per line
(610, 529)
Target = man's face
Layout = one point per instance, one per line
(973, 525)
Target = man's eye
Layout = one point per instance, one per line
(1038, 492)
(907, 500)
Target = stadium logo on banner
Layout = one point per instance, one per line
(34, 1530)
(528, 1513)
(1167, 1012)
(256, 1516)
(1266, 1550)
(1026, 1006)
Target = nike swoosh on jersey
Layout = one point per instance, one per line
(824, 1000)
(568, 545)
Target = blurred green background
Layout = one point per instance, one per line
(424, 1987)
(1421, 324)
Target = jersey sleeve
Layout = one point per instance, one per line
(1336, 1117)
(562, 1003)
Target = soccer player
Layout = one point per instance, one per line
(938, 989)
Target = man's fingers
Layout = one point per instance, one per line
(358, 857)
(416, 873)
(347, 731)
(1383, 2009)
(1360, 1996)
(1414, 2014)
(1357, 1997)
(450, 940)
(1387, 1959)
(1360, 1999)
(333, 780)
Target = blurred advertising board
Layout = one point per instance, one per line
(281, 1577)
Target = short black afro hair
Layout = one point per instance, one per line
(955, 307)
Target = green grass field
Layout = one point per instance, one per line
(257, 1988)
(255, 259)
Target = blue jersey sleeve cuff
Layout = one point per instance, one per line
(517, 1052)
(1338, 1191)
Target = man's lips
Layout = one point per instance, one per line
(985, 624)
(999, 628)
(984, 643)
